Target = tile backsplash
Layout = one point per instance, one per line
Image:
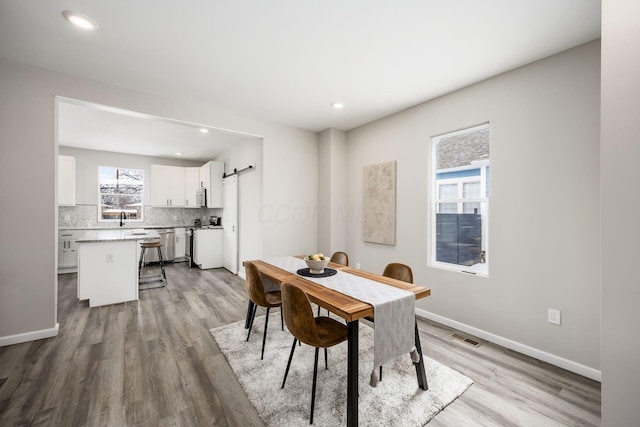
(86, 216)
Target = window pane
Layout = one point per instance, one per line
(448, 191)
(471, 207)
(447, 207)
(121, 191)
(471, 190)
(461, 162)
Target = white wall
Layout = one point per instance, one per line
(88, 161)
(620, 205)
(28, 288)
(332, 190)
(238, 157)
(544, 221)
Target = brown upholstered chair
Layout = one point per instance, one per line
(398, 271)
(255, 290)
(340, 258)
(314, 331)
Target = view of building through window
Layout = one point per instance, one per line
(461, 199)
(120, 191)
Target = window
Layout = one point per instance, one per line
(120, 191)
(460, 200)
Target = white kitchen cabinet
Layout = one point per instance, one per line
(180, 243)
(211, 179)
(66, 181)
(167, 186)
(68, 250)
(191, 186)
(207, 248)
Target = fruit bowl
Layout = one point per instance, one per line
(316, 263)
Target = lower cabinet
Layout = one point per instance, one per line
(207, 248)
(68, 250)
(180, 243)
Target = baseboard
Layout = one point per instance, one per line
(29, 336)
(561, 362)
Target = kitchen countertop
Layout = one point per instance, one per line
(118, 235)
(125, 227)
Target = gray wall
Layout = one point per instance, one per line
(620, 151)
(544, 209)
(332, 169)
(28, 229)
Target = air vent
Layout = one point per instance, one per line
(466, 339)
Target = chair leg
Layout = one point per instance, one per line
(264, 335)
(380, 373)
(249, 312)
(164, 275)
(313, 390)
(253, 316)
(326, 366)
(140, 261)
(293, 348)
(281, 319)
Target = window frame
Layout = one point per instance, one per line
(433, 200)
(101, 219)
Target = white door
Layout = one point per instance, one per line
(230, 223)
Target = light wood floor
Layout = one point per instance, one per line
(154, 363)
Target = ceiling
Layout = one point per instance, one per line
(286, 61)
(98, 127)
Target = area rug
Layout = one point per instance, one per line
(396, 401)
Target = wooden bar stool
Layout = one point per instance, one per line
(159, 277)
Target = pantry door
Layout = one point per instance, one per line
(230, 223)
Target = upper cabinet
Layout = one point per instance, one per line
(211, 179)
(66, 181)
(191, 186)
(167, 186)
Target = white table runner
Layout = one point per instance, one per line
(394, 309)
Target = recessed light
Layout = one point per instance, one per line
(203, 130)
(178, 154)
(80, 20)
(337, 105)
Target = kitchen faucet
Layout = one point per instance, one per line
(123, 216)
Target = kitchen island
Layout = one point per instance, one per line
(108, 265)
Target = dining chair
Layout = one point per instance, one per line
(340, 258)
(318, 332)
(257, 295)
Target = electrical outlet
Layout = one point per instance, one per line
(358, 265)
(175, 217)
(67, 218)
(553, 316)
(110, 258)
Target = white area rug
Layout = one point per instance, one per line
(396, 401)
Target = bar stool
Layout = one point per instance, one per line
(159, 277)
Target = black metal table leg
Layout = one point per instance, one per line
(352, 373)
(420, 373)
(249, 312)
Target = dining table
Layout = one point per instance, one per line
(351, 310)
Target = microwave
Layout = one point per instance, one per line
(201, 197)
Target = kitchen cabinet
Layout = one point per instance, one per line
(66, 181)
(180, 245)
(207, 248)
(191, 186)
(167, 186)
(211, 179)
(68, 250)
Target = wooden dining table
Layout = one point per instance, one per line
(351, 310)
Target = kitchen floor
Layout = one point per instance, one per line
(153, 362)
